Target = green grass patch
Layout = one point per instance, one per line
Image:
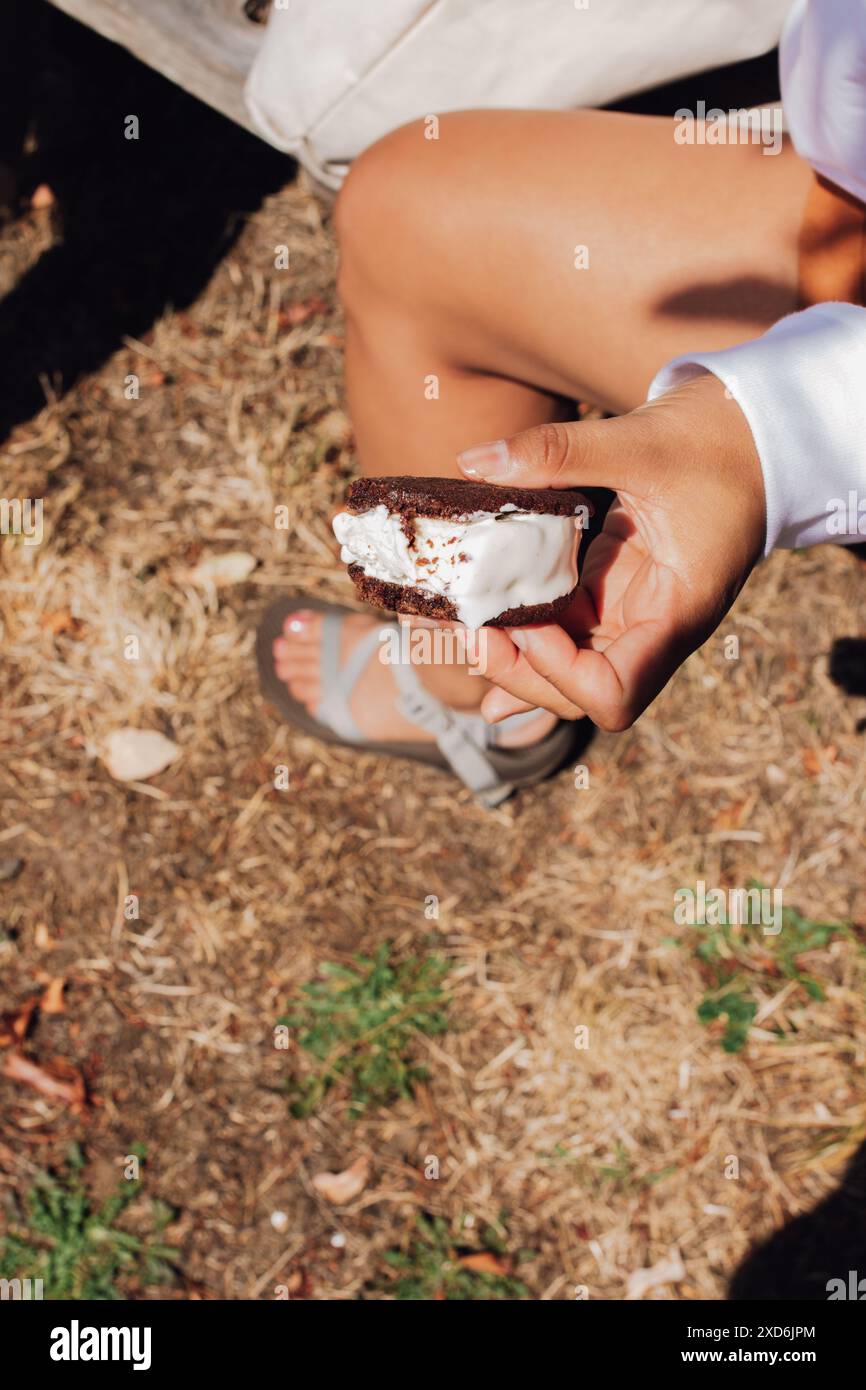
(434, 1266)
(359, 1028)
(77, 1249)
(621, 1174)
(624, 1175)
(739, 959)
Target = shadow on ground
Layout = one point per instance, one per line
(142, 223)
(848, 666)
(801, 1259)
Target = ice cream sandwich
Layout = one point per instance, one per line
(452, 549)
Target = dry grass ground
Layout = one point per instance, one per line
(555, 911)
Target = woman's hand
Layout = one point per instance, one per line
(677, 545)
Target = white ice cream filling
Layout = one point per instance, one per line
(484, 563)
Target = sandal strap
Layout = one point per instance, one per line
(460, 738)
(338, 683)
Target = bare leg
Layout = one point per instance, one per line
(472, 312)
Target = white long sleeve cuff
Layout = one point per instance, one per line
(802, 388)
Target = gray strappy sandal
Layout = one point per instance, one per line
(464, 742)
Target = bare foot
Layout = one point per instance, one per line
(297, 663)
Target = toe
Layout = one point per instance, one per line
(296, 652)
(290, 665)
(306, 691)
(302, 626)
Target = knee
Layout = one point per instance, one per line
(379, 216)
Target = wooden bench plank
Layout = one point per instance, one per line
(205, 46)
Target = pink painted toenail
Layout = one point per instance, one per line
(297, 622)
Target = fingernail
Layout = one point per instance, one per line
(518, 638)
(496, 705)
(486, 460)
(475, 650)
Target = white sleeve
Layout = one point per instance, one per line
(802, 388)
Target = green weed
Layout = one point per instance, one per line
(430, 1269)
(78, 1251)
(360, 1026)
(594, 1177)
(738, 959)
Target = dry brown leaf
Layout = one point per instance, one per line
(133, 755)
(485, 1262)
(61, 1082)
(232, 567)
(52, 1000)
(730, 817)
(14, 1025)
(61, 622)
(334, 427)
(42, 937)
(301, 310)
(669, 1271)
(339, 1188)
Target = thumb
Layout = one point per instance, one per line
(591, 453)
